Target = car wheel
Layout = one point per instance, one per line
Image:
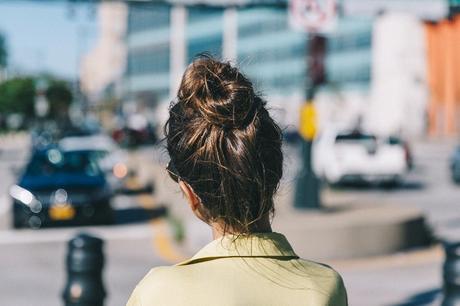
(17, 224)
(18, 220)
(394, 182)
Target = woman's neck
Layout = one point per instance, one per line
(261, 226)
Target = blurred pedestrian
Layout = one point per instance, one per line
(226, 156)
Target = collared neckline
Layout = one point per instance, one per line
(271, 245)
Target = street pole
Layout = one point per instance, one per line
(307, 193)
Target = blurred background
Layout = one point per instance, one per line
(367, 93)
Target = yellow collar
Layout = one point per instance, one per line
(273, 245)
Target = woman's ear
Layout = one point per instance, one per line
(192, 198)
(193, 201)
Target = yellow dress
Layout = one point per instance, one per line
(258, 269)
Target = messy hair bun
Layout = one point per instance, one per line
(224, 144)
(220, 93)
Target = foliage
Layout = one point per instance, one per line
(59, 97)
(17, 96)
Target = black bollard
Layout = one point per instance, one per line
(451, 274)
(84, 264)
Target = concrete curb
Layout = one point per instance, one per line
(353, 233)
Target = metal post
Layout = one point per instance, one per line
(451, 274)
(307, 193)
(84, 264)
(307, 186)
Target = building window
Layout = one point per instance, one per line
(149, 60)
(212, 45)
(264, 56)
(200, 13)
(349, 41)
(145, 16)
(275, 21)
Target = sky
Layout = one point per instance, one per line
(42, 36)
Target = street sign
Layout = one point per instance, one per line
(313, 16)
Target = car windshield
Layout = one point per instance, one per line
(56, 162)
(392, 140)
(98, 154)
(355, 137)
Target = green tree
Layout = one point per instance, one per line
(59, 97)
(17, 96)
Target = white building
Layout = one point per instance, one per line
(399, 89)
(104, 65)
(396, 101)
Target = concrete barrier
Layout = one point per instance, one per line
(355, 232)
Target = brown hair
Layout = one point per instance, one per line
(224, 144)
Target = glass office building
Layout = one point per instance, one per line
(275, 55)
(204, 31)
(267, 49)
(148, 44)
(348, 59)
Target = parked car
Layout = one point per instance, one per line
(135, 130)
(58, 187)
(455, 165)
(355, 156)
(112, 160)
(394, 140)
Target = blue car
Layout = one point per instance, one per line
(59, 187)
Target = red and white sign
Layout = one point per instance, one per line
(317, 16)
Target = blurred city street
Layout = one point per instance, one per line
(366, 95)
(32, 261)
